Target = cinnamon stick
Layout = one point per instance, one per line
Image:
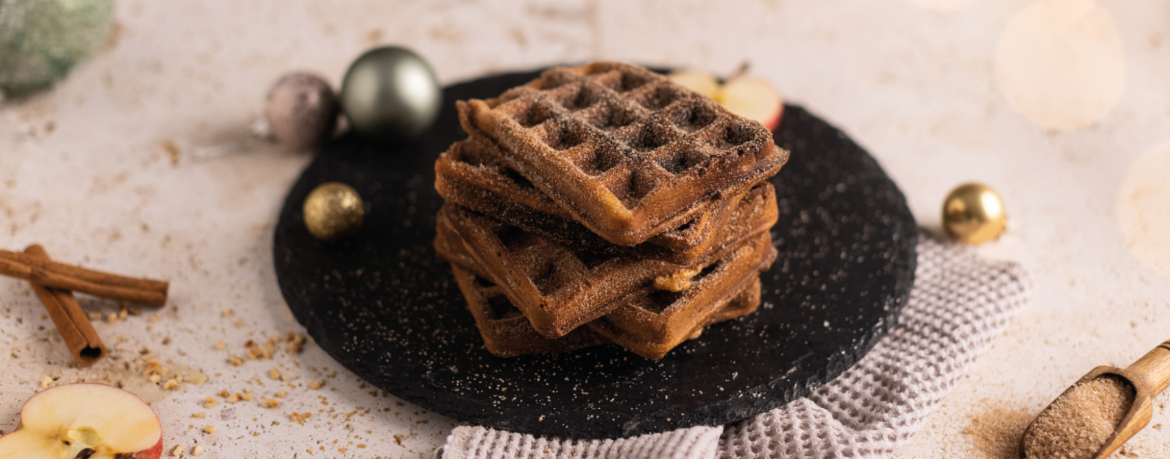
(68, 277)
(83, 341)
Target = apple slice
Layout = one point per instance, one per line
(84, 421)
(698, 81)
(751, 97)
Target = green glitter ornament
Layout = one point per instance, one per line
(41, 40)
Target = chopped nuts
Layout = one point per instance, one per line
(274, 374)
(209, 402)
(153, 318)
(219, 345)
(209, 429)
(155, 379)
(170, 384)
(281, 394)
(198, 415)
(197, 450)
(270, 403)
(316, 384)
(235, 361)
(224, 393)
(178, 451)
(234, 398)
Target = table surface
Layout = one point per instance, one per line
(142, 163)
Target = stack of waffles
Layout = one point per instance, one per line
(605, 204)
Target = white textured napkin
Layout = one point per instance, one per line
(959, 303)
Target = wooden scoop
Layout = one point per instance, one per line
(1149, 376)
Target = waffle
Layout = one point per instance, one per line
(559, 288)
(471, 174)
(625, 151)
(655, 323)
(506, 333)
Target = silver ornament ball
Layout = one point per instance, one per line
(390, 93)
(301, 110)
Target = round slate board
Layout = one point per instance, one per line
(388, 309)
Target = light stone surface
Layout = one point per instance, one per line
(141, 163)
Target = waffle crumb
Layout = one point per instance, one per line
(1081, 420)
(299, 418)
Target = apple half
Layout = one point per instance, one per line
(751, 97)
(84, 421)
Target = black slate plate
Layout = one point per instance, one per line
(387, 308)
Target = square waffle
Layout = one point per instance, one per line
(559, 288)
(472, 174)
(668, 318)
(624, 150)
(506, 333)
(653, 324)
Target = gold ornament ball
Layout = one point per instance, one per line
(973, 214)
(333, 210)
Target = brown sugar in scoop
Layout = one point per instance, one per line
(1079, 423)
(1099, 413)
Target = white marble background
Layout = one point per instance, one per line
(140, 163)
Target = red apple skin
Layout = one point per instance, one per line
(775, 122)
(154, 452)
